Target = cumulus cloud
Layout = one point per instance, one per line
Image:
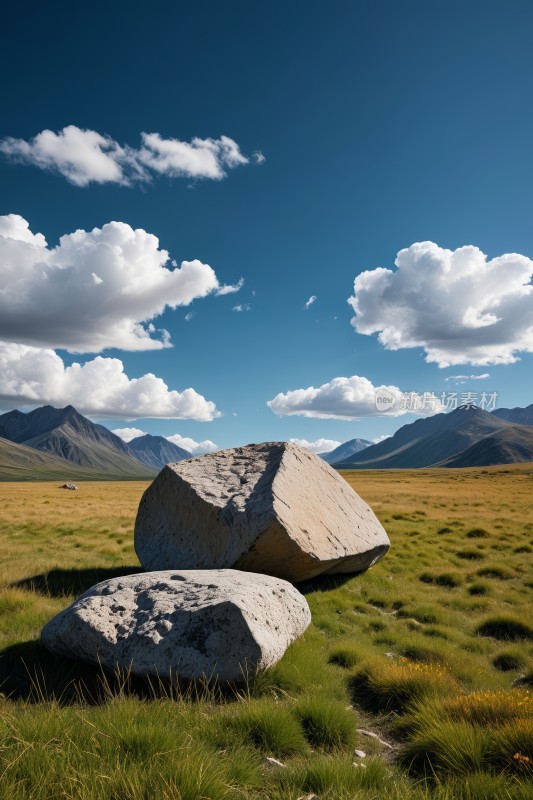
(310, 302)
(86, 156)
(352, 398)
(318, 446)
(96, 289)
(32, 376)
(196, 448)
(127, 434)
(458, 306)
(258, 157)
(241, 307)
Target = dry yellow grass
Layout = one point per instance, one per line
(471, 495)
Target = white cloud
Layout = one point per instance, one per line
(81, 156)
(33, 376)
(310, 302)
(318, 446)
(230, 289)
(381, 438)
(96, 289)
(201, 158)
(352, 398)
(85, 156)
(189, 316)
(459, 307)
(127, 434)
(482, 377)
(196, 448)
(258, 157)
(241, 307)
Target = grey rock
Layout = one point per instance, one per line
(272, 508)
(190, 624)
(71, 486)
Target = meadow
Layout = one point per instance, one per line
(430, 652)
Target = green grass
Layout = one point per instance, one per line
(326, 725)
(408, 657)
(346, 657)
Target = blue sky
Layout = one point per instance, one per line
(381, 125)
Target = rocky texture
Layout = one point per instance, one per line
(71, 486)
(212, 623)
(272, 508)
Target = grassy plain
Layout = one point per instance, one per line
(431, 650)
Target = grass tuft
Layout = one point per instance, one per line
(327, 725)
(505, 628)
(272, 729)
(396, 684)
(470, 555)
(508, 660)
(496, 571)
(477, 533)
(478, 588)
(450, 580)
(346, 657)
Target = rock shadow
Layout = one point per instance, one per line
(325, 583)
(29, 672)
(66, 582)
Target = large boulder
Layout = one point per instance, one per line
(273, 508)
(187, 625)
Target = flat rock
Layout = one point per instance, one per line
(190, 624)
(273, 508)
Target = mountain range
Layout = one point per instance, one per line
(520, 416)
(62, 442)
(156, 451)
(466, 437)
(345, 451)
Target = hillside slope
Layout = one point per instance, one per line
(513, 445)
(21, 463)
(66, 434)
(519, 416)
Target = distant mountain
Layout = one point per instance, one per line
(512, 445)
(429, 441)
(21, 463)
(519, 416)
(156, 451)
(345, 451)
(67, 434)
